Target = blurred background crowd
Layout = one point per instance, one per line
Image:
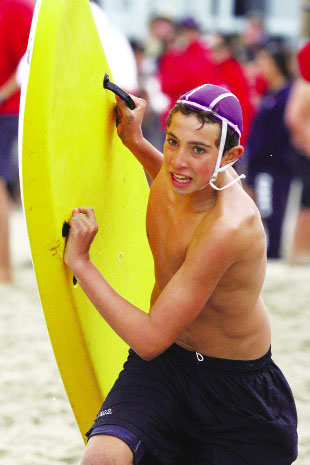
(265, 66)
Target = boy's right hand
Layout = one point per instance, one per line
(130, 121)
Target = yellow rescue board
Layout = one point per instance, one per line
(70, 156)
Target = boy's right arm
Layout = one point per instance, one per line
(130, 132)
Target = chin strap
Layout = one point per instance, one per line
(242, 176)
(219, 169)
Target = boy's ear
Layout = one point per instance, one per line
(232, 155)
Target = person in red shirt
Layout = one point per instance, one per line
(229, 73)
(186, 64)
(15, 22)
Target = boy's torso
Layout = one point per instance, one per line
(233, 322)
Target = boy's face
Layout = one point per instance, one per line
(190, 152)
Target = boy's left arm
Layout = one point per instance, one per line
(179, 303)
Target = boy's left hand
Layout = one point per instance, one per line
(83, 229)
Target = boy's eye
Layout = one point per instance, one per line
(172, 141)
(198, 150)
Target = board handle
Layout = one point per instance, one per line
(65, 233)
(107, 84)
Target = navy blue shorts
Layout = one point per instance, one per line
(8, 135)
(178, 410)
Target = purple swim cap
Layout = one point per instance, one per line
(221, 103)
(225, 107)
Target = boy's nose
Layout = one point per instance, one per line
(179, 160)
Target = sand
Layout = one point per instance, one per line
(36, 422)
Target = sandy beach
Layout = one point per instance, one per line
(36, 422)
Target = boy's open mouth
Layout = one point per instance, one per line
(180, 179)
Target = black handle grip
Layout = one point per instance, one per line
(107, 84)
(65, 233)
(65, 229)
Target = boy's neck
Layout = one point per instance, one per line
(198, 201)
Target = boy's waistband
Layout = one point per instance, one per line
(221, 364)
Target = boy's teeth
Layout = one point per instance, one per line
(181, 178)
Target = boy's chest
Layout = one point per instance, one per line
(170, 232)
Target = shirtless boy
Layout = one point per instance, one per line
(199, 386)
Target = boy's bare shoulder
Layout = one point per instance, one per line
(233, 226)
